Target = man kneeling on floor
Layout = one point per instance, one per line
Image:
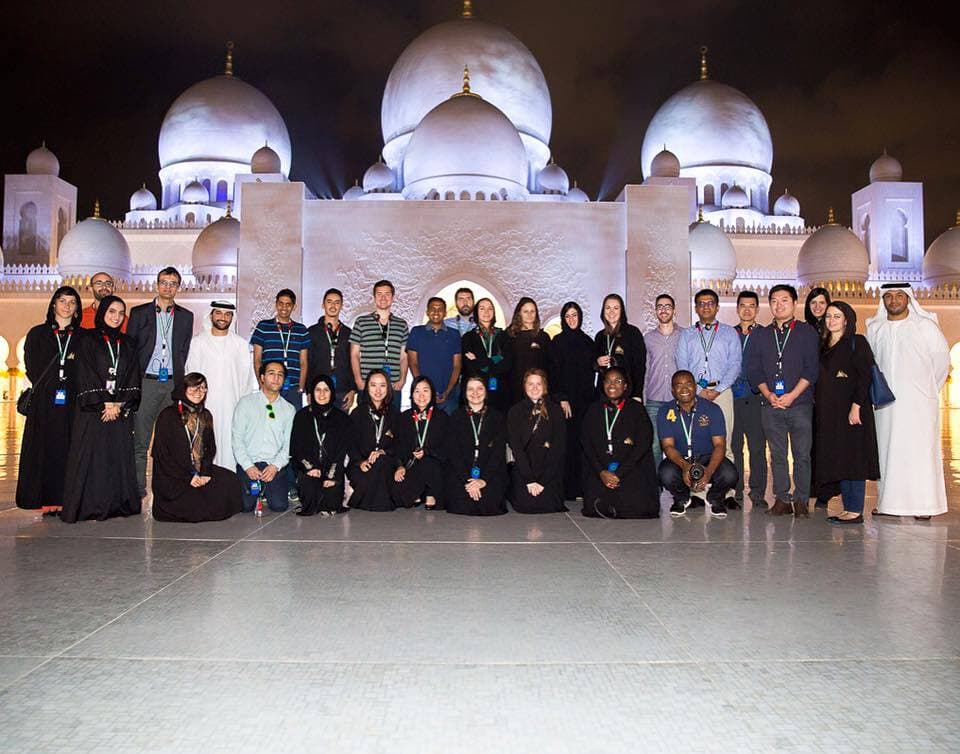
(693, 436)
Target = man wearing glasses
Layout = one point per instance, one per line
(102, 285)
(161, 331)
(710, 350)
(261, 440)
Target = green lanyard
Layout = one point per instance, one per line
(477, 429)
(379, 430)
(321, 438)
(611, 424)
(703, 342)
(422, 438)
(62, 349)
(688, 431)
(781, 347)
(285, 343)
(487, 341)
(114, 359)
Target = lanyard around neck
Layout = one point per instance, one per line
(611, 424)
(63, 347)
(114, 358)
(781, 347)
(422, 437)
(477, 429)
(707, 347)
(378, 432)
(487, 340)
(688, 431)
(285, 343)
(321, 438)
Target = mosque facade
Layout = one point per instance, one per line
(467, 192)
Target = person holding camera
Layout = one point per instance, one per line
(693, 436)
(262, 423)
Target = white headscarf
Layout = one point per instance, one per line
(881, 316)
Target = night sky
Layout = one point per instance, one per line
(837, 83)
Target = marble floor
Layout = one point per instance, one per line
(424, 632)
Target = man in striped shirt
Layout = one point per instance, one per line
(379, 341)
(282, 340)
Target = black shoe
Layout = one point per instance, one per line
(696, 502)
(733, 504)
(842, 521)
(679, 508)
(718, 509)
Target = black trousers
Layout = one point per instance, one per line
(748, 430)
(723, 480)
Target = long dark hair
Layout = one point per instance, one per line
(808, 312)
(515, 324)
(563, 313)
(476, 309)
(623, 311)
(433, 392)
(849, 330)
(64, 290)
(388, 398)
(186, 407)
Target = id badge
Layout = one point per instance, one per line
(613, 466)
(333, 379)
(492, 384)
(60, 397)
(702, 382)
(475, 472)
(255, 487)
(387, 370)
(286, 384)
(163, 375)
(779, 388)
(111, 386)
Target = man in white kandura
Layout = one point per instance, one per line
(914, 357)
(223, 357)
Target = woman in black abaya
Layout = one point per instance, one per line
(421, 449)
(101, 478)
(373, 452)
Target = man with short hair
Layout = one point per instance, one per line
(379, 341)
(261, 440)
(161, 331)
(223, 357)
(747, 425)
(693, 436)
(913, 355)
(661, 344)
(286, 341)
(102, 285)
(329, 349)
(783, 363)
(463, 322)
(434, 350)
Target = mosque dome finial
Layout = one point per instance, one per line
(228, 70)
(229, 208)
(704, 75)
(700, 215)
(465, 92)
(96, 208)
(831, 219)
(467, 11)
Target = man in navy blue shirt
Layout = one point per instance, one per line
(434, 350)
(783, 363)
(693, 436)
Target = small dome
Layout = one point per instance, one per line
(93, 246)
(378, 178)
(577, 194)
(787, 205)
(216, 248)
(41, 161)
(465, 146)
(553, 179)
(142, 199)
(941, 263)
(886, 168)
(734, 198)
(195, 193)
(353, 193)
(832, 254)
(265, 160)
(665, 164)
(712, 256)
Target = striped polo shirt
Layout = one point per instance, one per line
(273, 336)
(379, 346)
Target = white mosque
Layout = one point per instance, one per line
(467, 191)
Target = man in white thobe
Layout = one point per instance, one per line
(223, 357)
(913, 355)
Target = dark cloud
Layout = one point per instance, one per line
(837, 82)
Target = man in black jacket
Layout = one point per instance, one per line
(161, 331)
(329, 350)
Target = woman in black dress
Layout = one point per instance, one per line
(846, 435)
(527, 344)
(101, 478)
(572, 377)
(374, 441)
(620, 479)
(187, 486)
(421, 449)
(477, 464)
(814, 309)
(318, 448)
(537, 437)
(50, 356)
(485, 355)
(620, 344)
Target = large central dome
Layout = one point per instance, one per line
(501, 68)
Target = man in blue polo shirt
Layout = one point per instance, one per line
(693, 436)
(282, 340)
(434, 350)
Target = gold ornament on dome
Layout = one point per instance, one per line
(465, 92)
(228, 69)
(96, 209)
(467, 11)
(703, 63)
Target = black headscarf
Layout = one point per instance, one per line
(316, 409)
(112, 332)
(77, 313)
(815, 322)
(564, 327)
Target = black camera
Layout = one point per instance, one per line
(697, 472)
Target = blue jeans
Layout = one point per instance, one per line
(653, 408)
(853, 491)
(275, 492)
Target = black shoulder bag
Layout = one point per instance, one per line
(23, 402)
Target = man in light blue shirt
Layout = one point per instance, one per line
(261, 440)
(463, 322)
(710, 350)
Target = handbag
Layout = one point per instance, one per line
(23, 402)
(880, 393)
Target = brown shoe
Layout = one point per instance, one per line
(780, 508)
(801, 508)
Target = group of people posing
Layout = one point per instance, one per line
(311, 416)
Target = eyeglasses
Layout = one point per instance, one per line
(664, 307)
(708, 304)
(168, 284)
(102, 284)
(270, 413)
(198, 388)
(614, 381)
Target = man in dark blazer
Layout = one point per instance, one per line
(161, 331)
